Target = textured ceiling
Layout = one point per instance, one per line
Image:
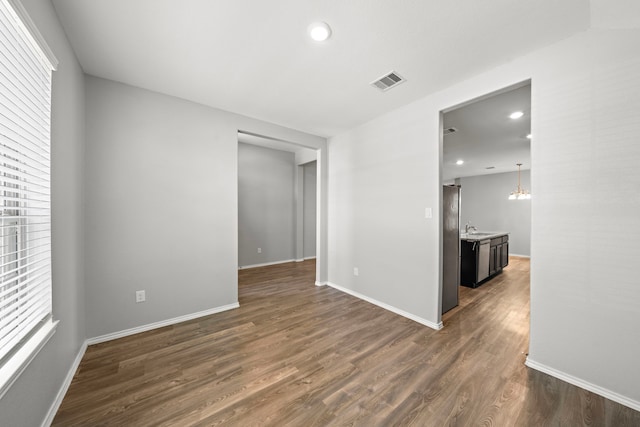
(254, 57)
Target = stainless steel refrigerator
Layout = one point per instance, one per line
(450, 246)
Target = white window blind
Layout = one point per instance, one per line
(25, 218)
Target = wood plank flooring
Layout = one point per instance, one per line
(295, 354)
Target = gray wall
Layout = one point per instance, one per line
(310, 172)
(266, 207)
(161, 205)
(29, 399)
(151, 162)
(160, 208)
(485, 204)
(384, 173)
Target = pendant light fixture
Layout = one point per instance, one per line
(520, 194)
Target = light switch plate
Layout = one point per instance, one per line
(428, 213)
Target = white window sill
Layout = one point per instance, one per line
(11, 370)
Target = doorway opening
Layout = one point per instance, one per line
(278, 201)
(483, 142)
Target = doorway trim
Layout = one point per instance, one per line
(321, 202)
(491, 93)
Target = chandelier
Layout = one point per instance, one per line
(520, 194)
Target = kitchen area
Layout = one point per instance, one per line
(482, 256)
(486, 198)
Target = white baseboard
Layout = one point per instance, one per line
(320, 283)
(244, 267)
(160, 324)
(108, 337)
(432, 325)
(520, 256)
(299, 259)
(307, 258)
(53, 410)
(611, 395)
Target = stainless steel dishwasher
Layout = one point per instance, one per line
(483, 259)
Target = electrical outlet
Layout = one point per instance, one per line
(141, 296)
(356, 272)
(259, 250)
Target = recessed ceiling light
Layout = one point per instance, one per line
(319, 31)
(516, 115)
(460, 162)
(528, 136)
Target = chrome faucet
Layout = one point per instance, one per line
(468, 227)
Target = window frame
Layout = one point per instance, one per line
(20, 355)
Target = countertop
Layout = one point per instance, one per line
(482, 235)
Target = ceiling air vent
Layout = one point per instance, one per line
(388, 81)
(447, 131)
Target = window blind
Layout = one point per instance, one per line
(25, 217)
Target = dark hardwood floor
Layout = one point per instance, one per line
(299, 355)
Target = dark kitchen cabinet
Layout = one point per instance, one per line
(504, 256)
(494, 256)
(469, 254)
(482, 259)
(475, 262)
(499, 254)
